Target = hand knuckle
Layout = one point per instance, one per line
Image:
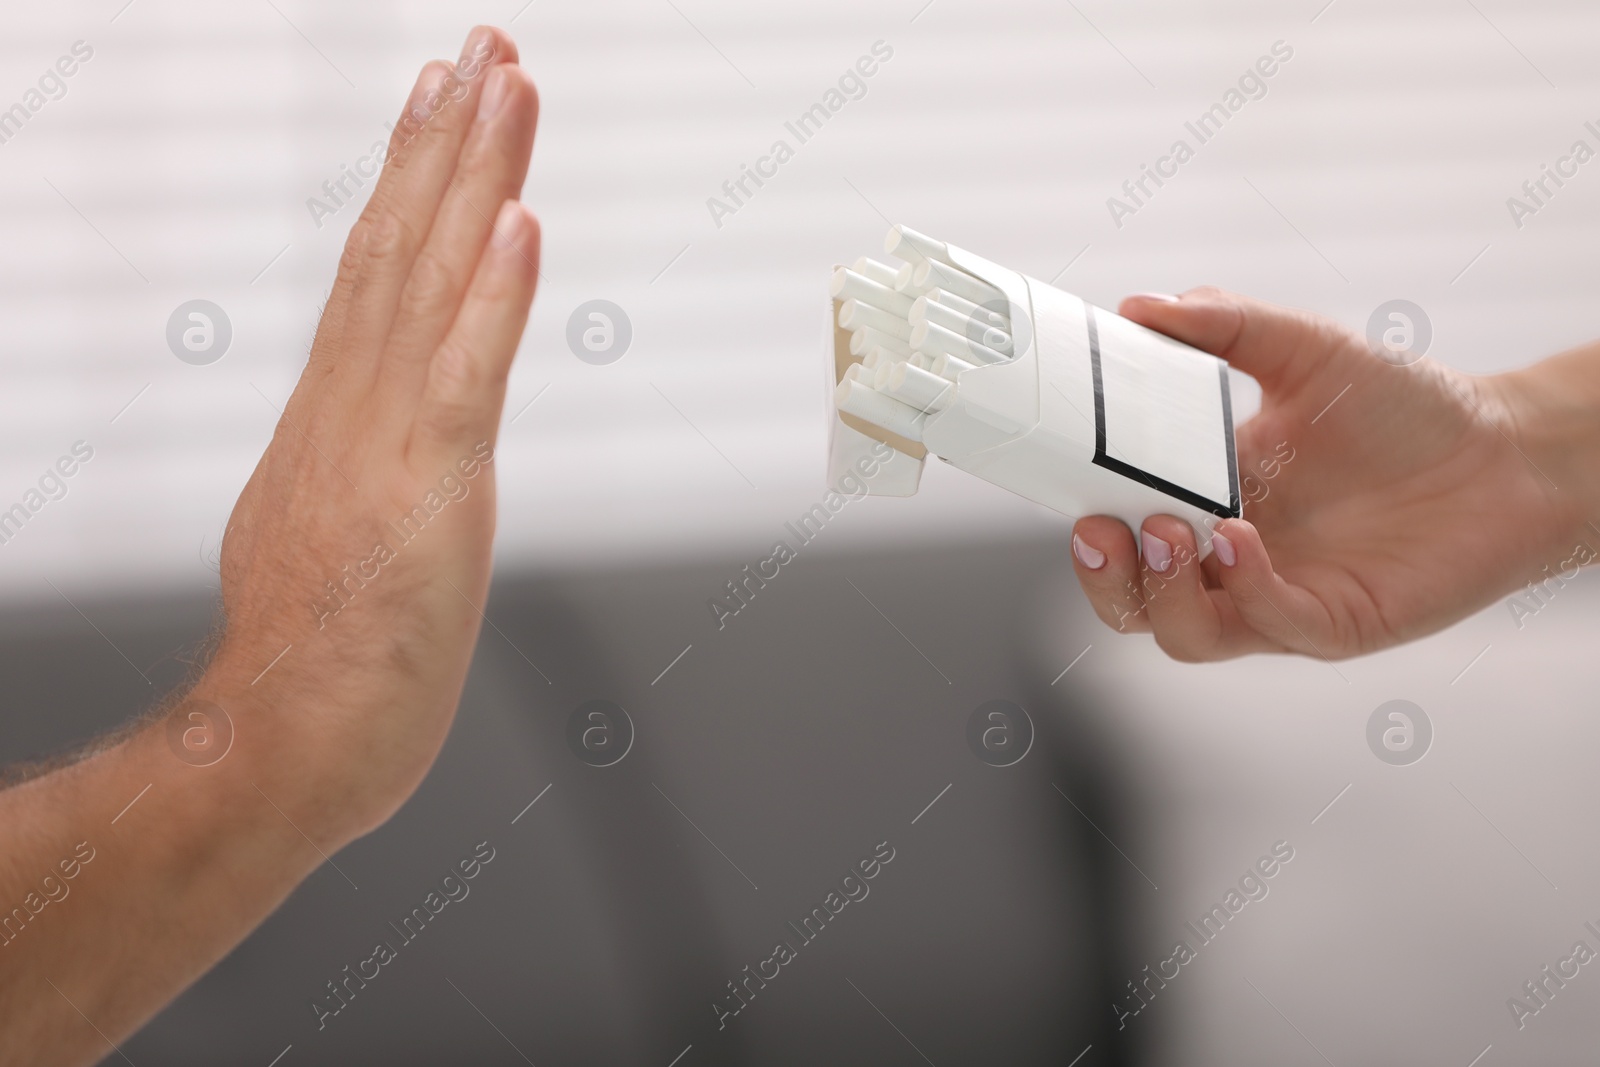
(355, 246)
(433, 286)
(457, 370)
(388, 239)
(448, 418)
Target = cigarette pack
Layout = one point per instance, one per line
(1025, 386)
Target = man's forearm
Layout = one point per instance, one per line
(376, 495)
(184, 859)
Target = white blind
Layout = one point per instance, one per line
(177, 165)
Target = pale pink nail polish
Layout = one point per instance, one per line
(1087, 555)
(1157, 553)
(1224, 549)
(1160, 298)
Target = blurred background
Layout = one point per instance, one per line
(177, 163)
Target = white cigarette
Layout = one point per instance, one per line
(848, 285)
(961, 306)
(948, 366)
(882, 273)
(856, 372)
(995, 324)
(914, 247)
(936, 341)
(978, 329)
(865, 340)
(882, 357)
(921, 389)
(931, 274)
(856, 315)
(956, 303)
(880, 374)
(902, 280)
(878, 409)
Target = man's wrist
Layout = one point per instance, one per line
(233, 728)
(291, 744)
(210, 787)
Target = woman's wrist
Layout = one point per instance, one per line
(1551, 412)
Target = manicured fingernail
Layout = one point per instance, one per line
(1224, 549)
(1087, 555)
(1160, 298)
(1157, 553)
(495, 90)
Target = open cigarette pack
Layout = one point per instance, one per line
(1025, 386)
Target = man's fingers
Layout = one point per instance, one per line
(330, 331)
(491, 169)
(466, 381)
(1291, 617)
(422, 155)
(1107, 565)
(1275, 345)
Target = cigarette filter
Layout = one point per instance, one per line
(1079, 409)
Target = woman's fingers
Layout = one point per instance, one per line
(1192, 620)
(1107, 564)
(491, 169)
(1182, 615)
(1165, 590)
(466, 381)
(1288, 615)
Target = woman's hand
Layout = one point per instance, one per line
(1383, 502)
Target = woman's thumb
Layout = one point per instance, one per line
(1270, 343)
